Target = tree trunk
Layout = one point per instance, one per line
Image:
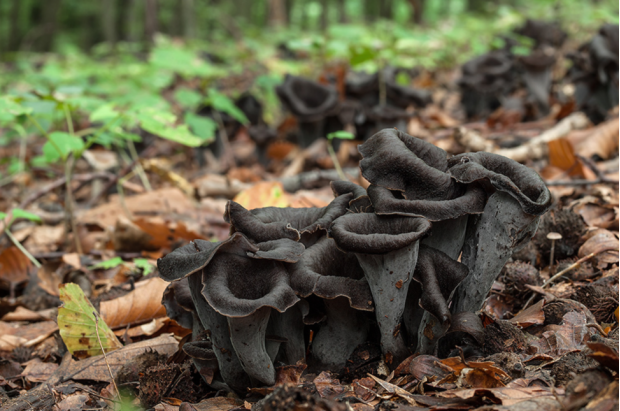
(14, 34)
(476, 6)
(277, 13)
(131, 20)
(150, 20)
(418, 11)
(342, 11)
(371, 10)
(108, 21)
(49, 18)
(188, 18)
(324, 14)
(385, 9)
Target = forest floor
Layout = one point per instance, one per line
(549, 342)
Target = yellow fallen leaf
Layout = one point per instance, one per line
(263, 194)
(79, 327)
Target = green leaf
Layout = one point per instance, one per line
(9, 109)
(187, 98)
(203, 127)
(107, 264)
(343, 135)
(19, 213)
(103, 113)
(80, 330)
(161, 123)
(64, 142)
(2, 215)
(222, 103)
(143, 263)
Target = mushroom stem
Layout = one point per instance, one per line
(389, 276)
(290, 325)
(490, 240)
(448, 236)
(343, 331)
(247, 335)
(230, 368)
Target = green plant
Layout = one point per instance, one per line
(343, 135)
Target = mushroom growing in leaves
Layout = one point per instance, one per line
(387, 250)
(518, 198)
(311, 103)
(335, 276)
(218, 292)
(273, 223)
(409, 177)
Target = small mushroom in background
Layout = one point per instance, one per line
(518, 197)
(336, 277)
(553, 237)
(272, 223)
(387, 250)
(310, 102)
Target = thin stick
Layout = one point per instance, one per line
(598, 328)
(70, 203)
(21, 248)
(561, 273)
(141, 174)
(332, 154)
(105, 358)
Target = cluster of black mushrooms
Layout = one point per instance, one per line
(375, 265)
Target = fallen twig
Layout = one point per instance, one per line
(105, 358)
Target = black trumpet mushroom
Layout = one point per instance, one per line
(223, 299)
(310, 102)
(518, 197)
(273, 223)
(387, 250)
(337, 277)
(438, 275)
(409, 177)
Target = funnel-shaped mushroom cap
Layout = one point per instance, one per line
(179, 304)
(398, 161)
(327, 272)
(237, 286)
(273, 223)
(307, 99)
(385, 202)
(193, 257)
(504, 174)
(360, 202)
(372, 234)
(439, 275)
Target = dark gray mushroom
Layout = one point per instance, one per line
(360, 202)
(387, 250)
(191, 260)
(273, 223)
(509, 220)
(245, 290)
(409, 177)
(337, 277)
(427, 315)
(310, 102)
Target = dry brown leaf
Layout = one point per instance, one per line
(531, 316)
(290, 374)
(26, 335)
(474, 374)
(49, 279)
(604, 243)
(72, 259)
(38, 371)
(156, 202)
(562, 156)
(41, 238)
(96, 369)
(328, 387)
(602, 141)
(150, 235)
(140, 305)
(506, 395)
(24, 314)
(594, 215)
(14, 267)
